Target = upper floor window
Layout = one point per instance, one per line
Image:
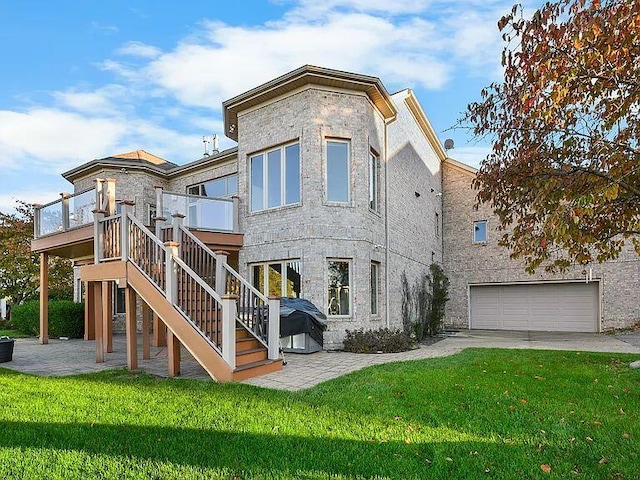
(374, 180)
(218, 188)
(338, 156)
(480, 231)
(275, 177)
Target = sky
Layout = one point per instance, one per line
(86, 79)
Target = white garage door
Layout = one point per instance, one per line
(560, 307)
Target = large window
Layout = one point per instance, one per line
(339, 287)
(275, 177)
(222, 187)
(480, 231)
(338, 171)
(277, 279)
(375, 287)
(374, 181)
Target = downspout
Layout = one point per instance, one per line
(386, 223)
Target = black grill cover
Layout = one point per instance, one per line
(298, 315)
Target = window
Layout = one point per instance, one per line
(275, 177)
(277, 279)
(339, 288)
(222, 187)
(480, 231)
(374, 177)
(437, 224)
(375, 285)
(338, 171)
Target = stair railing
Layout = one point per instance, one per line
(259, 314)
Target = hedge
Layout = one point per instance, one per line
(66, 318)
(375, 341)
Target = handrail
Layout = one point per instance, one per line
(252, 306)
(198, 256)
(109, 237)
(204, 213)
(57, 216)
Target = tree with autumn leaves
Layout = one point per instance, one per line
(563, 175)
(20, 268)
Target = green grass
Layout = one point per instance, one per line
(12, 334)
(478, 414)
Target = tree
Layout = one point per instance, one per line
(563, 175)
(20, 268)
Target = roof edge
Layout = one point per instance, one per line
(461, 166)
(416, 109)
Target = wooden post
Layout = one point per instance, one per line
(131, 328)
(65, 211)
(177, 222)
(110, 200)
(274, 329)
(44, 298)
(146, 347)
(127, 207)
(171, 280)
(159, 332)
(107, 316)
(36, 219)
(236, 213)
(221, 272)
(173, 354)
(89, 312)
(229, 329)
(98, 238)
(97, 308)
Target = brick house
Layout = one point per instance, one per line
(335, 190)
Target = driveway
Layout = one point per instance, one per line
(69, 357)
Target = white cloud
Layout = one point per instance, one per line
(139, 49)
(103, 100)
(107, 29)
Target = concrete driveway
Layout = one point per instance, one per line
(69, 357)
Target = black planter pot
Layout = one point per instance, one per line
(6, 349)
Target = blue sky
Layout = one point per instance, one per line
(86, 79)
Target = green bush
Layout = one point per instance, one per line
(66, 318)
(374, 341)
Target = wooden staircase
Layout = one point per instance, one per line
(197, 313)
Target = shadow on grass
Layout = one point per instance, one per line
(237, 451)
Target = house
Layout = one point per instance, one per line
(336, 189)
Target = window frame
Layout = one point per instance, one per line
(265, 177)
(347, 142)
(375, 292)
(486, 231)
(283, 274)
(200, 186)
(349, 262)
(374, 181)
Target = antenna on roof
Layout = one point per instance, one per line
(206, 142)
(448, 144)
(215, 143)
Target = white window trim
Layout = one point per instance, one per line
(200, 184)
(349, 261)
(326, 170)
(486, 230)
(265, 177)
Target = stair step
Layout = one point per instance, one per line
(250, 356)
(247, 343)
(256, 369)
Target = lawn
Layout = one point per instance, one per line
(12, 333)
(479, 414)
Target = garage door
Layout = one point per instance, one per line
(560, 307)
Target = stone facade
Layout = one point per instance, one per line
(466, 262)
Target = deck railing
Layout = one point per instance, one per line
(203, 213)
(67, 213)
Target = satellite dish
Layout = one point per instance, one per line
(448, 144)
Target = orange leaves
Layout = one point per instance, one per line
(546, 468)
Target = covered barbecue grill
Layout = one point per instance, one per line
(301, 326)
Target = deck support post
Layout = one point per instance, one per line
(89, 312)
(173, 354)
(44, 298)
(131, 328)
(98, 303)
(274, 329)
(107, 316)
(159, 338)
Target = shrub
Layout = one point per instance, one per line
(66, 318)
(374, 341)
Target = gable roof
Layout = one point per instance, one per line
(308, 74)
(137, 159)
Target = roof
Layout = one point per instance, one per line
(460, 166)
(137, 159)
(308, 74)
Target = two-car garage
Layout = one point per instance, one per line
(547, 306)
